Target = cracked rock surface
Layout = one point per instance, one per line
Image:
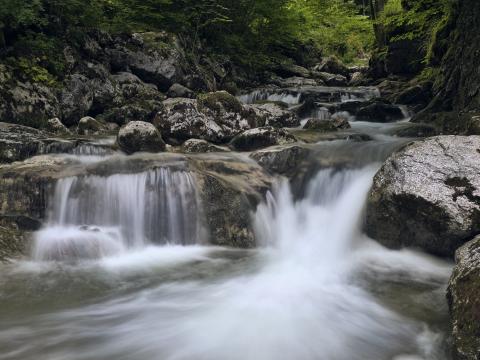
(427, 195)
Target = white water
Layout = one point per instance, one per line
(301, 297)
(95, 216)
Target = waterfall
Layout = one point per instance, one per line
(104, 215)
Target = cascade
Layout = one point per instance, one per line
(93, 216)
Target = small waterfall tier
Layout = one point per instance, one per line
(95, 216)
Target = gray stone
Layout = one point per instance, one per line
(201, 146)
(177, 90)
(428, 195)
(139, 136)
(464, 301)
(260, 138)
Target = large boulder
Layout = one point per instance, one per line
(379, 111)
(76, 99)
(90, 126)
(332, 79)
(428, 195)
(261, 137)
(216, 117)
(274, 114)
(336, 122)
(139, 136)
(464, 301)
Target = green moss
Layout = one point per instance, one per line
(217, 100)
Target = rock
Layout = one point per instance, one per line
(26, 103)
(284, 161)
(131, 88)
(379, 111)
(296, 81)
(141, 110)
(139, 136)
(337, 122)
(216, 117)
(417, 94)
(55, 126)
(356, 79)
(332, 79)
(464, 301)
(291, 70)
(261, 137)
(405, 57)
(415, 130)
(427, 195)
(201, 146)
(177, 90)
(274, 114)
(332, 65)
(90, 126)
(13, 241)
(76, 99)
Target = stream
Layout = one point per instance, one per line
(149, 287)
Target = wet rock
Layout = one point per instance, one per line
(274, 114)
(379, 111)
(90, 126)
(201, 146)
(141, 110)
(177, 90)
(296, 81)
(261, 137)
(19, 142)
(332, 79)
(55, 126)
(284, 161)
(216, 117)
(416, 94)
(140, 136)
(337, 122)
(291, 70)
(415, 130)
(13, 241)
(464, 301)
(428, 195)
(332, 65)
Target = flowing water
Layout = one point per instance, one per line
(148, 288)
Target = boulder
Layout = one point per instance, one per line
(464, 301)
(177, 90)
(216, 117)
(428, 195)
(275, 114)
(141, 110)
(201, 146)
(291, 70)
(261, 137)
(140, 136)
(284, 161)
(90, 126)
(332, 79)
(296, 81)
(337, 122)
(332, 65)
(379, 111)
(55, 126)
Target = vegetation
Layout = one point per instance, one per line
(253, 33)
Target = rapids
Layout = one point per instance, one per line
(147, 287)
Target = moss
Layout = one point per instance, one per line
(219, 100)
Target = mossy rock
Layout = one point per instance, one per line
(218, 101)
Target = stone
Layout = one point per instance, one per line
(76, 99)
(177, 90)
(427, 196)
(90, 126)
(464, 301)
(332, 79)
(216, 117)
(201, 146)
(332, 65)
(261, 137)
(284, 161)
(379, 111)
(140, 136)
(55, 126)
(274, 114)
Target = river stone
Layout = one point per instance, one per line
(139, 136)
(283, 161)
(177, 90)
(201, 146)
(90, 126)
(332, 65)
(332, 79)
(464, 301)
(261, 137)
(428, 195)
(379, 111)
(216, 117)
(55, 126)
(274, 114)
